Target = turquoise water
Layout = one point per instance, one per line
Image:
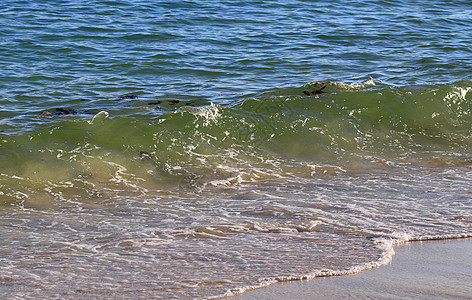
(199, 149)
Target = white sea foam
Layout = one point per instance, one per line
(354, 85)
(457, 94)
(209, 113)
(100, 117)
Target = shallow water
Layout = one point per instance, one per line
(170, 150)
(432, 270)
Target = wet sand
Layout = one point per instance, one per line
(419, 270)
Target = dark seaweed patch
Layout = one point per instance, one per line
(127, 97)
(315, 92)
(59, 112)
(64, 111)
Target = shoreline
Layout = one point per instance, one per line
(435, 269)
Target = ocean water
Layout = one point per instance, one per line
(198, 149)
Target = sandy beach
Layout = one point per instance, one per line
(419, 270)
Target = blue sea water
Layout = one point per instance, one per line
(194, 149)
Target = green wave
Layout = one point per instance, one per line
(278, 132)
